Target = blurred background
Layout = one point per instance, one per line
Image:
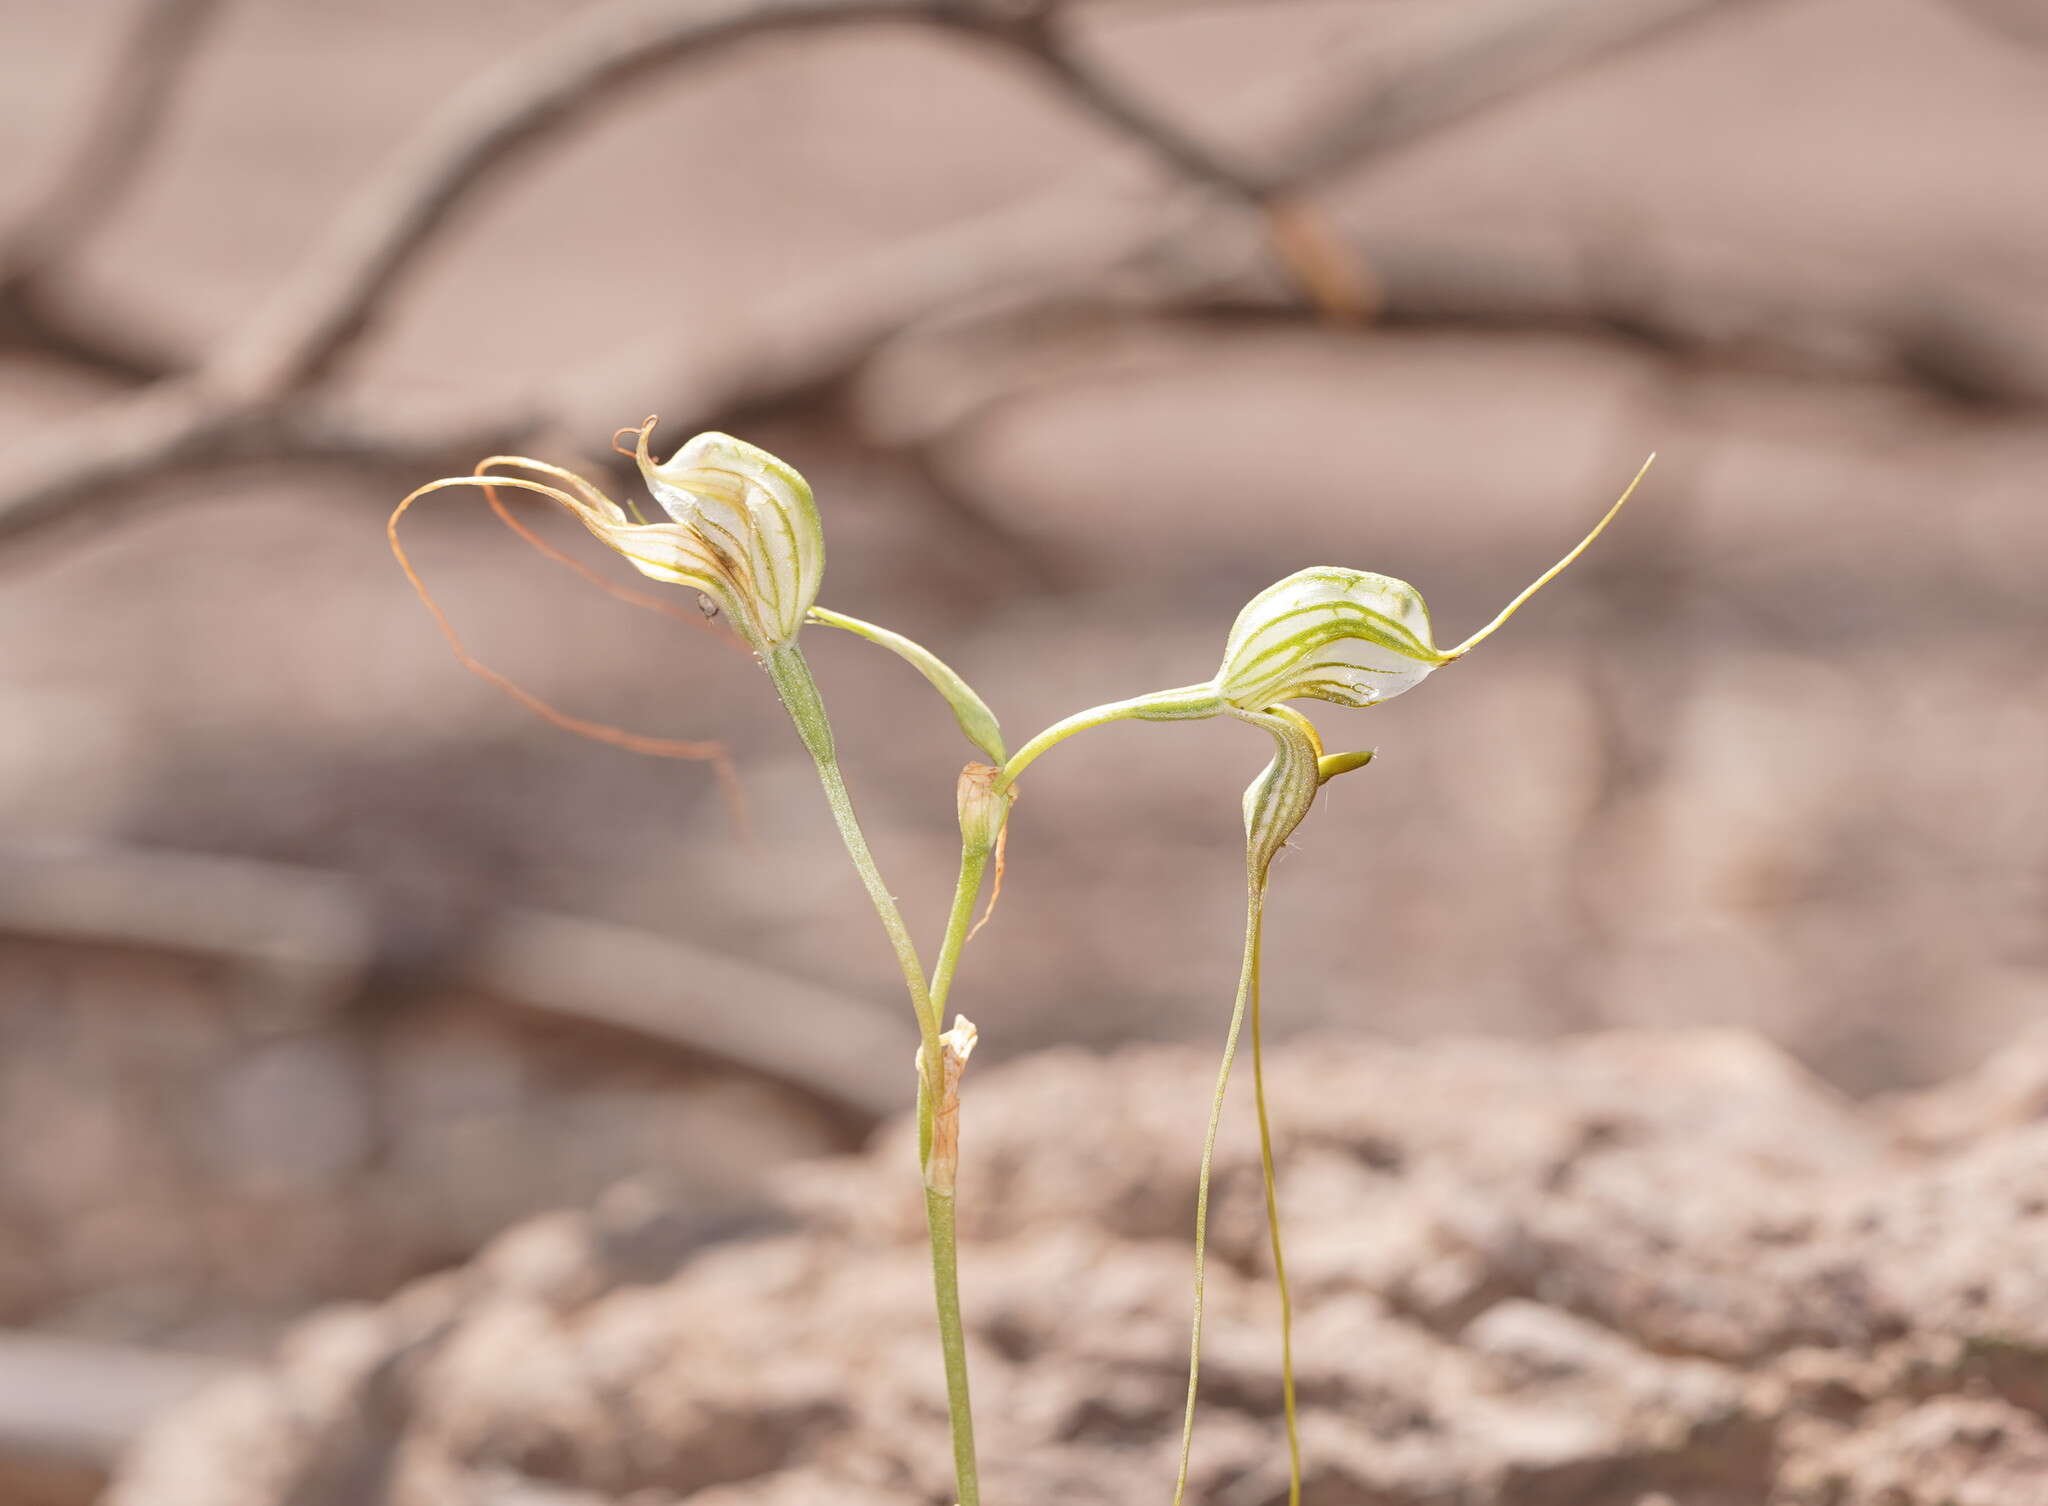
(321, 962)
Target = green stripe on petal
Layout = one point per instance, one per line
(1280, 797)
(1327, 633)
(758, 526)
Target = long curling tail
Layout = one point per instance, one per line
(713, 753)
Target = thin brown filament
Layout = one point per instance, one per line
(636, 429)
(591, 497)
(640, 454)
(996, 892)
(713, 753)
(610, 588)
(617, 449)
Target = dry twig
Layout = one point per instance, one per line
(263, 394)
(87, 187)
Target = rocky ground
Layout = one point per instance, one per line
(1628, 1269)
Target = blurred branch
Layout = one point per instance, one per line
(1297, 237)
(1044, 37)
(262, 395)
(844, 1051)
(327, 306)
(1959, 347)
(311, 938)
(2021, 21)
(43, 320)
(1826, 324)
(240, 404)
(89, 186)
(1480, 56)
(1106, 227)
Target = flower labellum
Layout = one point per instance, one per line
(1279, 799)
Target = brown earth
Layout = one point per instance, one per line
(1630, 1269)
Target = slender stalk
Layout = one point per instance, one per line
(1279, 1259)
(938, 1200)
(1275, 805)
(1187, 703)
(791, 674)
(973, 865)
(1247, 984)
(798, 689)
(938, 1218)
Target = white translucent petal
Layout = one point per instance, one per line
(1347, 636)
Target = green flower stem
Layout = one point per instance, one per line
(1185, 704)
(1247, 990)
(938, 1218)
(938, 1202)
(1287, 1405)
(791, 674)
(973, 866)
(939, 1205)
(1058, 732)
(794, 683)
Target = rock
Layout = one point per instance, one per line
(1624, 1270)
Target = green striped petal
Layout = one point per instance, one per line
(1330, 634)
